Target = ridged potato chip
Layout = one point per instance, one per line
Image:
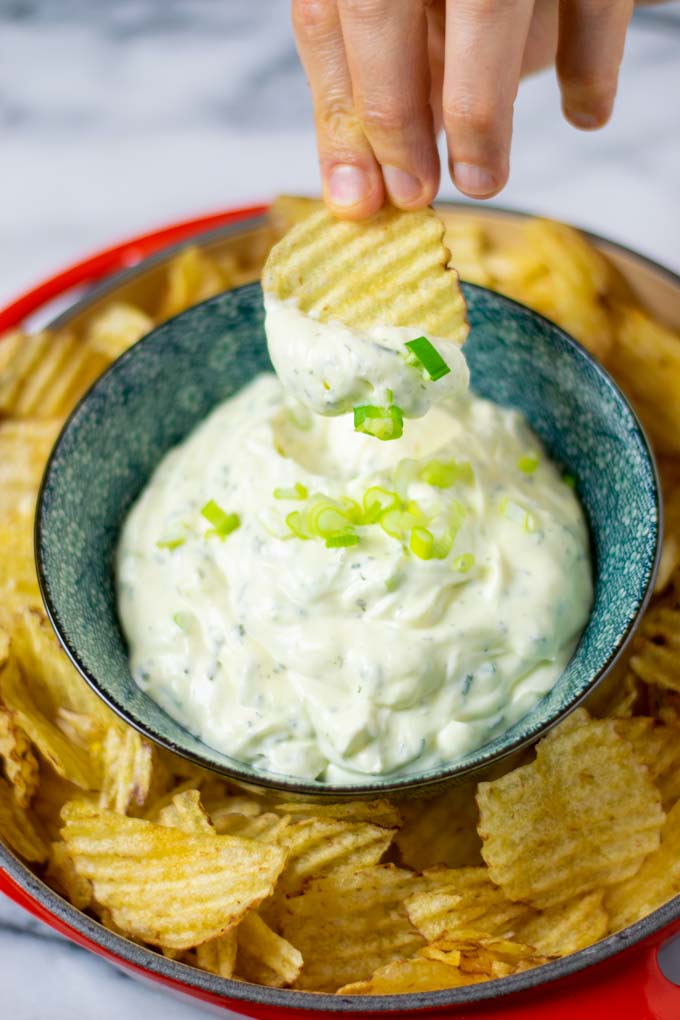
(669, 469)
(567, 928)
(192, 276)
(267, 827)
(186, 812)
(17, 829)
(63, 876)
(657, 747)
(406, 977)
(118, 326)
(379, 812)
(24, 448)
(582, 816)
(441, 830)
(349, 923)
(127, 761)
(218, 956)
(18, 579)
(16, 754)
(44, 374)
(168, 887)
(317, 846)
(463, 899)
(263, 957)
(657, 881)
(65, 757)
(390, 269)
(656, 646)
(468, 244)
(287, 210)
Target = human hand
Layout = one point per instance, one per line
(385, 75)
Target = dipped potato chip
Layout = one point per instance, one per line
(463, 899)
(16, 754)
(17, 830)
(657, 881)
(391, 269)
(349, 923)
(582, 816)
(317, 846)
(168, 887)
(441, 830)
(287, 210)
(468, 244)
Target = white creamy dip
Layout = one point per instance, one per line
(331, 368)
(338, 663)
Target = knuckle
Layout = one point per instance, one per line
(385, 117)
(336, 119)
(363, 11)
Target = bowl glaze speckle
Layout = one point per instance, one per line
(153, 396)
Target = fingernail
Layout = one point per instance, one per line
(347, 185)
(403, 187)
(473, 180)
(582, 119)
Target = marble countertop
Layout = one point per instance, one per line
(116, 117)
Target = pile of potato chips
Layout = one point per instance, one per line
(474, 882)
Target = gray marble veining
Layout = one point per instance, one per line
(117, 115)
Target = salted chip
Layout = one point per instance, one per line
(441, 830)
(647, 367)
(265, 958)
(390, 269)
(168, 887)
(62, 876)
(127, 762)
(18, 579)
(24, 448)
(379, 812)
(657, 747)
(44, 374)
(287, 210)
(461, 899)
(118, 326)
(66, 758)
(267, 827)
(582, 816)
(656, 646)
(664, 705)
(669, 469)
(192, 276)
(16, 828)
(218, 956)
(186, 812)
(483, 958)
(468, 243)
(405, 977)
(657, 881)
(566, 928)
(16, 754)
(317, 846)
(349, 923)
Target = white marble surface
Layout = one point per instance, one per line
(119, 115)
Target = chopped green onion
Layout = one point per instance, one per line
(389, 396)
(528, 463)
(463, 563)
(529, 522)
(296, 523)
(421, 543)
(391, 523)
(569, 480)
(342, 541)
(443, 473)
(377, 501)
(223, 523)
(352, 509)
(324, 517)
(183, 620)
(299, 491)
(429, 357)
(170, 543)
(382, 422)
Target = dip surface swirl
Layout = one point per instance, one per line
(342, 663)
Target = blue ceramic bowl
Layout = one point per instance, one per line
(155, 394)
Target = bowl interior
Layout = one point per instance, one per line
(153, 396)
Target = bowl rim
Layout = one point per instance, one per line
(401, 784)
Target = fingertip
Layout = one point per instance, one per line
(478, 181)
(351, 192)
(586, 119)
(407, 191)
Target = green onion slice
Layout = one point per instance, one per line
(528, 463)
(443, 473)
(382, 422)
(429, 357)
(342, 540)
(421, 544)
(299, 491)
(569, 480)
(463, 563)
(296, 523)
(170, 543)
(222, 522)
